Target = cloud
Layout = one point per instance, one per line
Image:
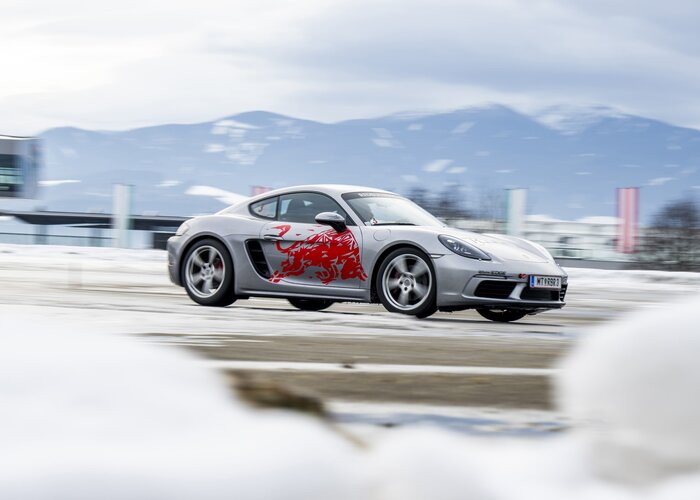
(169, 183)
(222, 195)
(129, 63)
(660, 181)
(436, 165)
(57, 182)
(526, 53)
(214, 148)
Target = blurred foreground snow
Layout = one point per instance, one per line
(90, 415)
(87, 414)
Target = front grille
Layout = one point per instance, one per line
(495, 289)
(562, 292)
(538, 294)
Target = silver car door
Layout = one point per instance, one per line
(303, 253)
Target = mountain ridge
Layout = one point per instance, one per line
(571, 171)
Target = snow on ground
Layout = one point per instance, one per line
(152, 264)
(632, 388)
(622, 278)
(93, 415)
(68, 275)
(87, 413)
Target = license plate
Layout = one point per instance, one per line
(553, 282)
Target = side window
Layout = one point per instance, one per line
(304, 207)
(265, 208)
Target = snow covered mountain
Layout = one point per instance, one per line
(571, 160)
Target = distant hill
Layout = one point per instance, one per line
(571, 161)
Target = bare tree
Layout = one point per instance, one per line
(673, 240)
(420, 196)
(490, 204)
(448, 204)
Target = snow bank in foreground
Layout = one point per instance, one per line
(632, 387)
(94, 416)
(86, 414)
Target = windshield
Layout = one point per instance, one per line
(377, 209)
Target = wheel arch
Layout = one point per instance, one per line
(196, 239)
(374, 297)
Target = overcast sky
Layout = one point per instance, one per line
(114, 64)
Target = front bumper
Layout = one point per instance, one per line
(495, 284)
(173, 247)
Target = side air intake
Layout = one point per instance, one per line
(257, 257)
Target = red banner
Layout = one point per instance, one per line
(256, 190)
(628, 217)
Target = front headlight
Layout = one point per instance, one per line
(184, 227)
(461, 248)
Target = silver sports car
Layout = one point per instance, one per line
(320, 244)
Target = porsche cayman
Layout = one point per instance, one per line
(319, 244)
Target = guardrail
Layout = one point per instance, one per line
(52, 239)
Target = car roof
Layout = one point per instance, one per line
(332, 189)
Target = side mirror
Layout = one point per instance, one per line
(336, 221)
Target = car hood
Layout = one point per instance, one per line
(501, 247)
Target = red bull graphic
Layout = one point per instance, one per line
(336, 254)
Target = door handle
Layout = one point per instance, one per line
(272, 237)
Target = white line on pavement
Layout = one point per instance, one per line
(374, 368)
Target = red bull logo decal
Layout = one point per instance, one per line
(337, 255)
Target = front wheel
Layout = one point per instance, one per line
(311, 304)
(502, 315)
(208, 274)
(406, 283)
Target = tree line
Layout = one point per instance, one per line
(672, 240)
(452, 202)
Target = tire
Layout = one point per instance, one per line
(311, 304)
(207, 273)
(502, 315)
(406, 283)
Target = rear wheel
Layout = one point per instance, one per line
(406, 283)
(311, 304)
(208, 274)
(502, 315)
